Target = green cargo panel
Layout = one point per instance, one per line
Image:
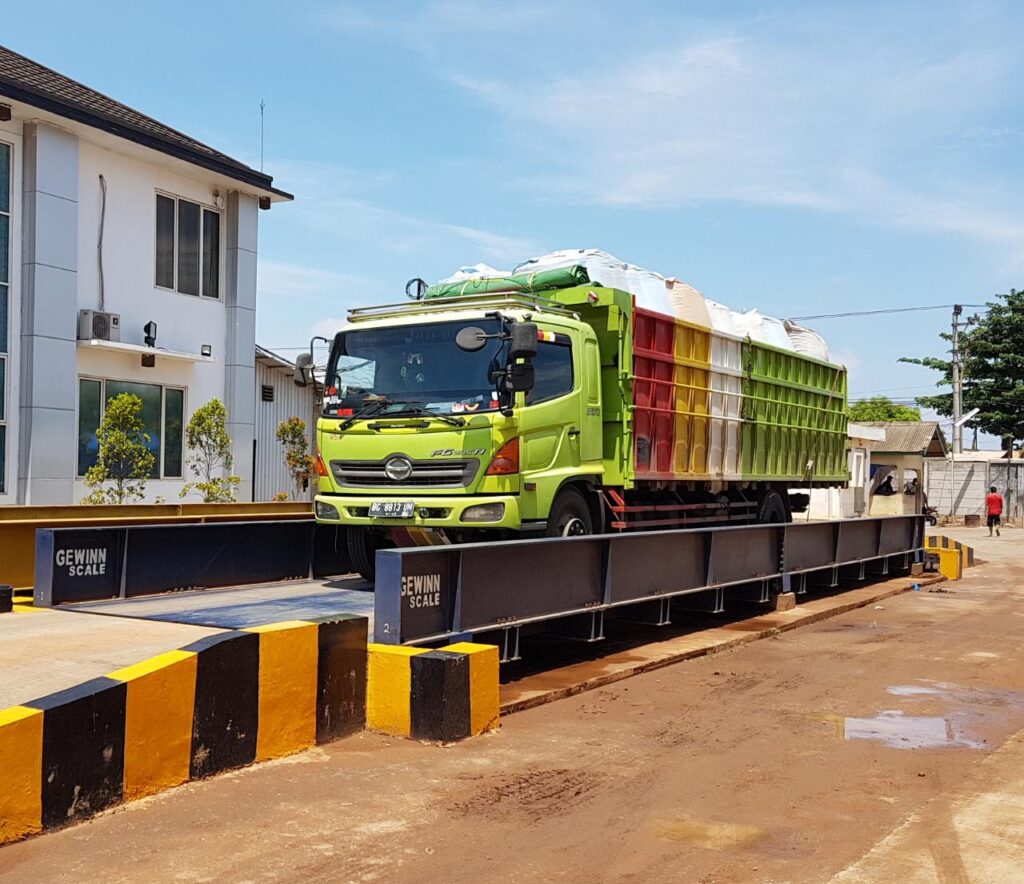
(794, 417)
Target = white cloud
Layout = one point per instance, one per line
(825, 115)
(403, 234)
(295, 282)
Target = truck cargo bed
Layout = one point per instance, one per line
(700, 405)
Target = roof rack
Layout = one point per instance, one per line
(437, 305)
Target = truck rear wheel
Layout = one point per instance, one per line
(773, 510)
(570, 515)
(363, 544)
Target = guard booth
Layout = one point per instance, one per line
(898, 478)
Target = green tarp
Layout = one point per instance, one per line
(541, 281)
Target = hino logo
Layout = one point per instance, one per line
(398, 469)
(456, 452)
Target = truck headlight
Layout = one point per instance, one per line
(326, 511)
(484, 512)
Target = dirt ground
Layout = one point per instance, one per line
(862, 748)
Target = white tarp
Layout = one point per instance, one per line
(476, 271)
(665, 295)
(607, 270)
(806, 341)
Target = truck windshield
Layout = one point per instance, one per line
(410, 366)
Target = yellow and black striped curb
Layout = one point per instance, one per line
(954, 556)
(221, 702)
(445, 694)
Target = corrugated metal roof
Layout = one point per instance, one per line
(23, 79)
(910, 437)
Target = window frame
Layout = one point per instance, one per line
(203, 209)
(6, 345)
(102, 381)
(565, 345)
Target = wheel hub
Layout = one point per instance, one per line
(574, 527)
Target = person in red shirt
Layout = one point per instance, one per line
(994, 505)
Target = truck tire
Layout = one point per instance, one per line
(773, 510)
(570, 515)
(363, 544)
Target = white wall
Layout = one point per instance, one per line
(967, 492)
(289, 400)
(10, 133)
(184, 322)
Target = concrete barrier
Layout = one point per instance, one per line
(937, 543)
(951, 563)
(443, 695)
(18, 524)
(222, 702)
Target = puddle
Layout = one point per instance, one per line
(966, 715)
(913, 690)
(710, 834)
(960, 695)
(900, 731)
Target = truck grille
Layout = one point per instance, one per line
(425, 473)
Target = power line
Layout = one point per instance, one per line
(878, 312)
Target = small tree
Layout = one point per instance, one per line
(209, 454)
(882, 408)
(124, 457)
(301, 464)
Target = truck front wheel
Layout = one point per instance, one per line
(570, 515)
(363, 544)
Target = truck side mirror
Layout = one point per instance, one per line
(471, 339)
(522, 340)
(521, 378)
(303, 369)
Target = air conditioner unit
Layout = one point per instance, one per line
(94, 325)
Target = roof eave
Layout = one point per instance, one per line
(258, 183)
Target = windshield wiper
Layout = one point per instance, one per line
(368, 410)
(414, 409)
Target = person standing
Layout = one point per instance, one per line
(994, 505)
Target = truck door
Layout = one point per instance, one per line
(551, 427)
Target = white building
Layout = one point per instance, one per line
(104, 209)
(278, 399)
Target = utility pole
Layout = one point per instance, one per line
(263, 107)
(958, 430)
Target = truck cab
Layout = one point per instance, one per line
(450, 421)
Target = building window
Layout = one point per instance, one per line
(5, 300)
(187, 247)
(163, 412)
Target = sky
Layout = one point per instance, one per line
(797, 157)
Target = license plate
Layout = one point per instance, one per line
(392, 509)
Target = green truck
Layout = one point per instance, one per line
(559, 407)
